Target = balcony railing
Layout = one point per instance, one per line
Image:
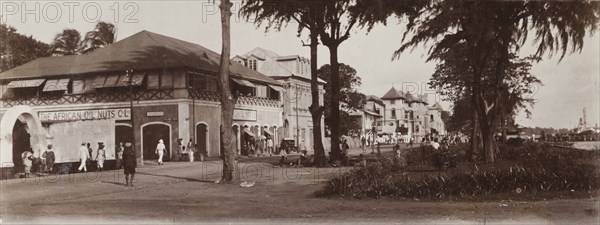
(248, 100)
(98, 97)
(138, 95)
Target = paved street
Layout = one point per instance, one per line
(186, 192)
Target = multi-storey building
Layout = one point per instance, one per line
(143, 88)
(294, 72)
(409, 116)
(370, 117)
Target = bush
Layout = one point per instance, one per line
(426, 156)
(541, 169)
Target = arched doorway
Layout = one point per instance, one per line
(151, 134)
(202, 137)
(123, 133)
(236, 133)
(21, 143)
(25, 118)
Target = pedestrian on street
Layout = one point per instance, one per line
(191, 150)
(270, 146)
(83, 157)
(90, 158)
(120, 155)
(129, 164)
(28, 158)
(100, 156)
(50, 158)
(160, 151)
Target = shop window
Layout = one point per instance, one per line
(203, 84)
(77, 87)
(166, 80)
(153, 80)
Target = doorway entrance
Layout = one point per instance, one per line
(151, 134)
(202, 138)
(21, 143)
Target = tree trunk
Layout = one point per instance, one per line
(487, 136)
(334, 81)
(227, 99)
(315, 109)
(472, 154)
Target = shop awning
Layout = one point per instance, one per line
(111, 80)
(97, 82)
(138, 77)
(56, 85)
(249, 133)
(268, 133)
(25, 83)
(277, 88)
(243, 82)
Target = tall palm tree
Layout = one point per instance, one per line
(103, 34)
(66, 43)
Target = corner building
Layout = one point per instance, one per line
(172, 85)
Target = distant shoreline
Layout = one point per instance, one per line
(587, 145)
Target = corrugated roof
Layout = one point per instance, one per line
(142, 51)
(393, 94)
(375, 99)
(260, 52)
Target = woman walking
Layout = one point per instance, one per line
(100, 156)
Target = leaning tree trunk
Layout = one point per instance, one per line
(315, 109)
(334, 81)
(227, 99)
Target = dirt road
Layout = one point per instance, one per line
(186, 192)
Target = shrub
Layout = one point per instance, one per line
(541, 169)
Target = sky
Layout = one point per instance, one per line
(568, 85)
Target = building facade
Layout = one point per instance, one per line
(410, 117)
(293, 71)
(143, 88)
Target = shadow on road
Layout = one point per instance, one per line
(175, 177)
(115, 183)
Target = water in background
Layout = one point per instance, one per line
(588, 145)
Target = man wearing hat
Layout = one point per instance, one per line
(100, 156)
(83, 156)
(129, 164)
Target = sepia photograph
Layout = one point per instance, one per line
(300, 112)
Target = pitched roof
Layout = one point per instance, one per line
(261, 52)
(393, 94)
(142, 51)
(375, 99)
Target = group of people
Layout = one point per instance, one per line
(45, 162)
(190, 150)
(85, 156)
(259, 147)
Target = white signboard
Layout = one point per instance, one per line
(243, 114)
(67, 138)
(92, 114)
